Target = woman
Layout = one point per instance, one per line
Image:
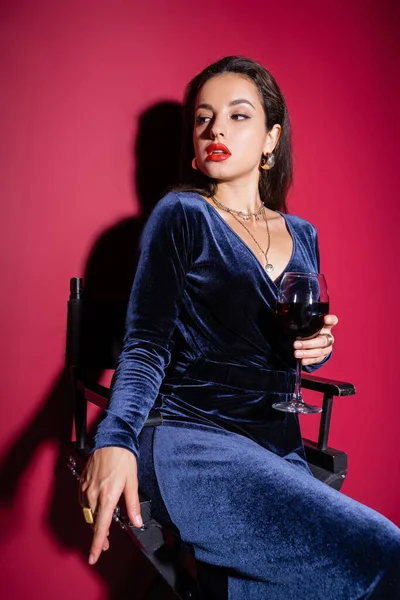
(201, 339)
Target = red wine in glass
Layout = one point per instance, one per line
(302, 320)
(303, 301)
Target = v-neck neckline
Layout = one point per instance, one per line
(289, 228)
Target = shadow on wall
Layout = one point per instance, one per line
(108, 278)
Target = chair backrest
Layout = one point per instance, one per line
(95, 329)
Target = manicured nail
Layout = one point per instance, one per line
(138, 521)
(298, 354)
(298, 344)
(91, 559)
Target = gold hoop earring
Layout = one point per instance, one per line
(194, 164)
(267, 162)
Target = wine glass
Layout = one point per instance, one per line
(303, 301)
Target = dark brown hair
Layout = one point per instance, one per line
(273, 184)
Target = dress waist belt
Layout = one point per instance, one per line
(241, 376)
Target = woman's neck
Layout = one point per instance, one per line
(238, 196)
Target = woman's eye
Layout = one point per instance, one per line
(200, 120)
(239, 117)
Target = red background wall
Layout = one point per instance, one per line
(75, 77)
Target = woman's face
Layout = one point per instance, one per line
(229, 133)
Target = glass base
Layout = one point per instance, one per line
(294, 406)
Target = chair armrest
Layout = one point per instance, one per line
(327, 386)
(96, 393)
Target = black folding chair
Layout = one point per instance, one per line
(86, 358)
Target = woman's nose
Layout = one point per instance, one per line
(217, 129)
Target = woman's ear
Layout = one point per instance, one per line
(272, 138)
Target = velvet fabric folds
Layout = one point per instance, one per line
(202, 343)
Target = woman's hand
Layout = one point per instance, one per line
(109, 472)
(316, 349)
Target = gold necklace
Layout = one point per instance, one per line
(245, 216)
(268, 266)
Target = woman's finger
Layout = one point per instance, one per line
(100, 530)
(106, 544)
(318, 353)
(132, 500)
(321, 341)
(331, 320)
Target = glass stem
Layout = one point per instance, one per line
(297, 390)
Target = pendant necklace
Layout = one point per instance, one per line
(268, 266)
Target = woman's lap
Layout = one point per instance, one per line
(268, 519)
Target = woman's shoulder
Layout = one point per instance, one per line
(175, 201)
(300, 224)
(175, 215)
(177, 206)
(188, 200)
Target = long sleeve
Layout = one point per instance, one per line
(153, 310)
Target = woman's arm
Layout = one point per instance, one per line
(153, 309)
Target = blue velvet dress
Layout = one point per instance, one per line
(226, 468)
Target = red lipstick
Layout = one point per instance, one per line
(217, 152)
